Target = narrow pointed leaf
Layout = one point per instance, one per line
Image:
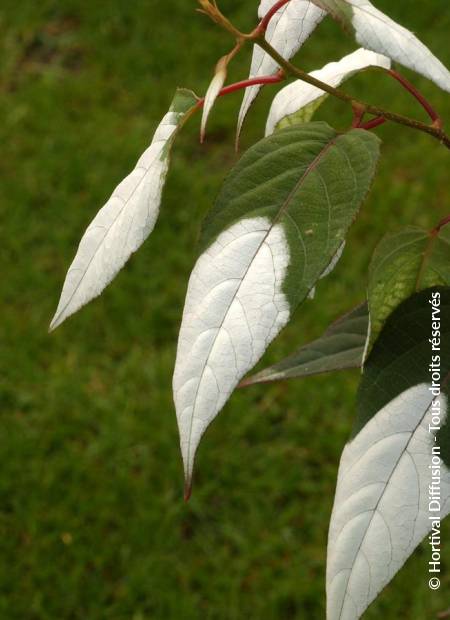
(288, 30)
(405, 262)
(125, 221)
(279, 219)
(298, 101)
(377, 32)
(212, 93)
(341, 347)
(381, 510)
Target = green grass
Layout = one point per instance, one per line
(92, 522)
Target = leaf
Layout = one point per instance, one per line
(213, 92)
(287, 31)
(278, 221)
(330, 268)
(126, 220)
(405, 262)
(381, 509)
(298, 101)
(341, 347)
(377, 32)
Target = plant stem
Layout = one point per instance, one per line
(257, 36)
(441, 225)
(262, 27)
(212, 11)
(290, 69)
(263, 80)
(375, 122)
(358, 114)
(417, 95)
(231, 88)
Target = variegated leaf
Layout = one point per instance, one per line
(278, 222)
(401, 445)
(298, 101)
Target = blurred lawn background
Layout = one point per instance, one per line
(92, 522)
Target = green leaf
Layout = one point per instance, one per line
(279, 220)
(382, 508)
(341, 347)
(405, 262)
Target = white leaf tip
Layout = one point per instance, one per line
(55, 322)
(202, 367)
(211, 95)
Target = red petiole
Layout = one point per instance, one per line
(410, 88)
(266, 79)
(418, 96)
(375, 122)
(441, 225)
(262, 26)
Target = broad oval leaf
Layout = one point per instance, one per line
(405, 262)
(278, 221)
(298, 101)
(341, 347)
(381, 510)
(377, 32)
(287, 31)
(126, 220)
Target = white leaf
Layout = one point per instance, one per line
(234, 307)
(125, 221)
(212, 93)
(377, 32)
(302, 96)
(287, 31)
(381, 509)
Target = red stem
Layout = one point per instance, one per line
(266, 79)
(441, 225)
(358, 114)
(375, 122)
(418, 96)
(262, 26)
